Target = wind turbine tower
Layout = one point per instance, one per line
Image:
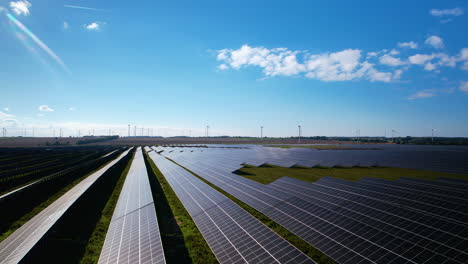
(300, 132)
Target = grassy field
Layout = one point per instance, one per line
(305, 247)
(322, 147)
(190, 238)
(269, 173)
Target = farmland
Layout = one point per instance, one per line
(203, 203)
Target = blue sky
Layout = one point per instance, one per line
(175, 66)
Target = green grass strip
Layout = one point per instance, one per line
(315, 254)
(96, 241)
(197, 248)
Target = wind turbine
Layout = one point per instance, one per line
(300, 131)
(433, 132)
(261, 132)
(393, 135)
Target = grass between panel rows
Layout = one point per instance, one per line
(183, 233)
(96, 241)
(267, 173)
(315, 254)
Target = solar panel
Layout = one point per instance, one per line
(231, 232)
(20, 242)
(133, 235)
(373, 229)
(413, 236)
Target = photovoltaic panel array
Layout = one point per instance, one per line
(133, 235)
(435, 158)
(232, 233)
(20, 242)
(368, 221)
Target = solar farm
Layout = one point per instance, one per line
(193, 203)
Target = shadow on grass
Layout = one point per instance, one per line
(66, 241)
(171, 235)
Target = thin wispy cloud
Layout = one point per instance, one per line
(422, 94)
(45, 108)
(85, 8)
(464, 86)
(447, 12)
(65, 25)
(4, 115)
(20, 7)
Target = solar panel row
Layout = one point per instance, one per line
(448, 160)
(133, 235)
(19, 243)
(429, 232)
(231, 232)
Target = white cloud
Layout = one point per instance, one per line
(410, 44)
(71, 109)
(394, 52)
(375, 75)
(336, 66)
(464, 86)
(446, 60)
(223, 67)
(429, 67)
(40, 115)
(45, 108)
(94, 26)
(435, 42)
(6, 109)
(465, 66)
(65, 25)
(420, 59)
(20, 7)
(372, 54)
(447, 12)
(431, 61)
(345, 65)
(422, 94)
(391, 61)
(464, 54)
